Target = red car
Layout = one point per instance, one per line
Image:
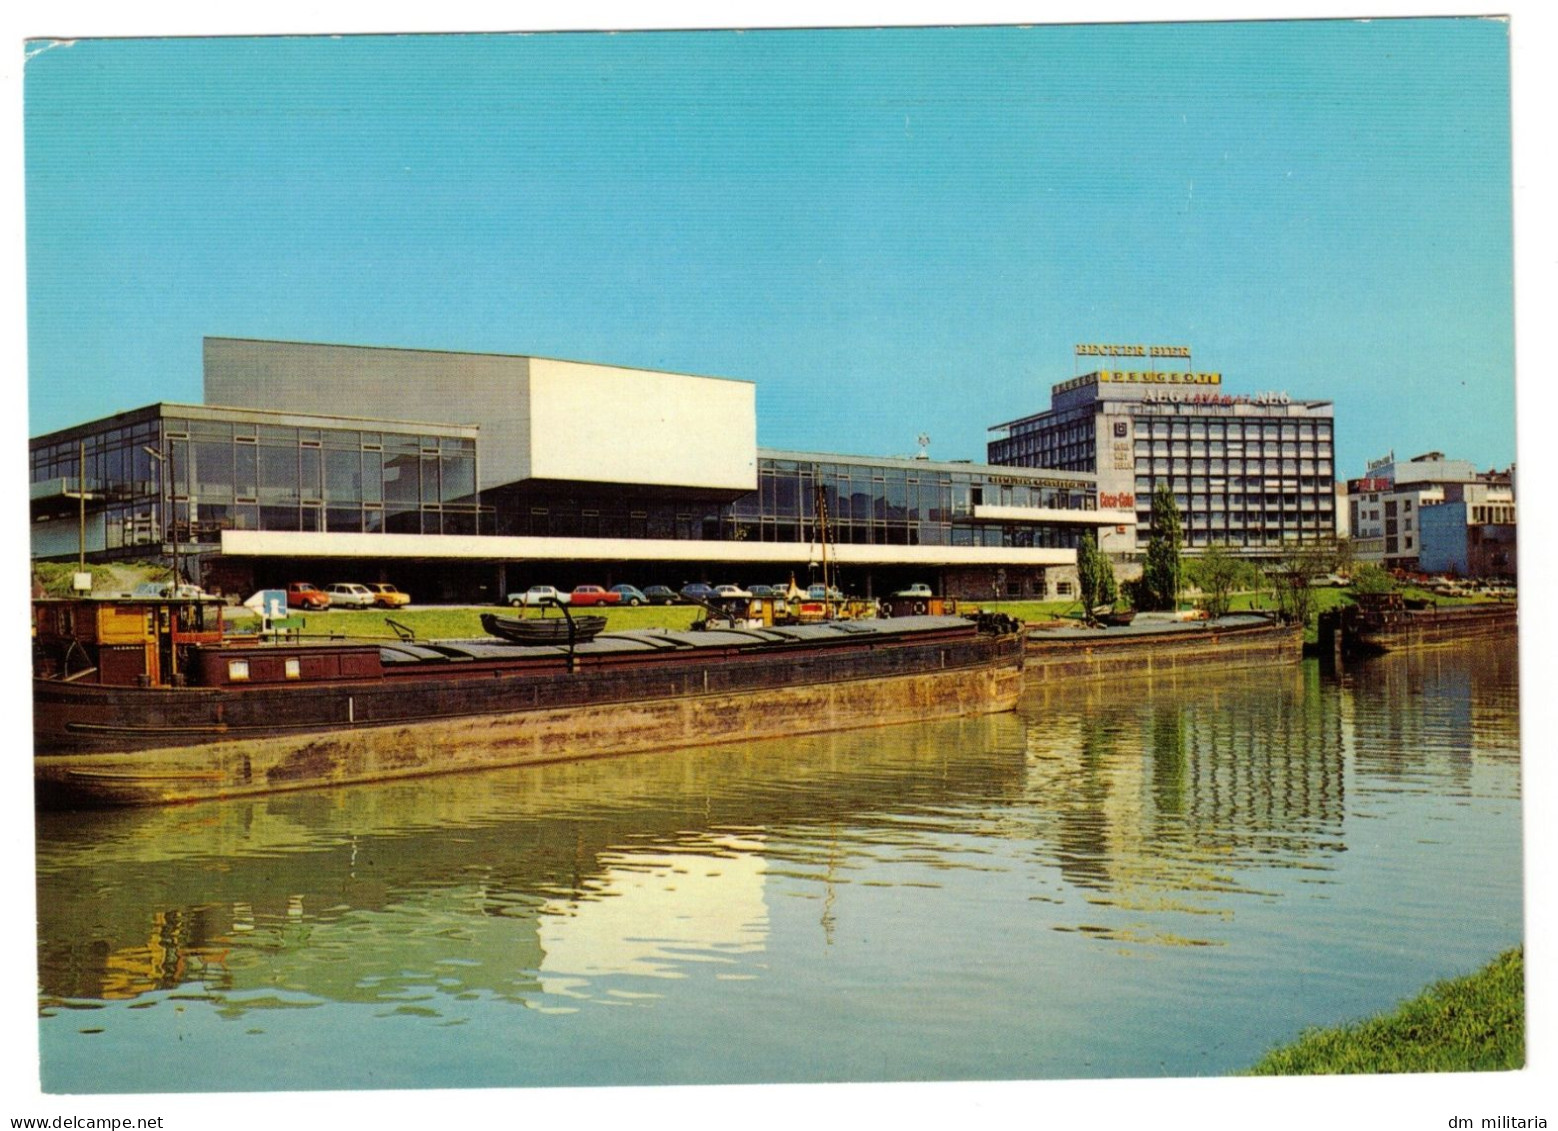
(593, 595)
(303, 595)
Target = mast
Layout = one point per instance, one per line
(820, 501)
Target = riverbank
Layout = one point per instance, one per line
(1470, 1024)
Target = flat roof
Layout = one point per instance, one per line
(1190, 409)
(1081, 478)
(164, 409)
(470, 353)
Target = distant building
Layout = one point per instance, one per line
(1249, 471)
(1431, 514)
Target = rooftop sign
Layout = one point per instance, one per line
(1088, 349)
(1136, 377)
(1154, 377)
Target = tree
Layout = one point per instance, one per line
(1370, 578)
(1217, 574)
(1160, 571)
(1294, 572)
(1095, 575)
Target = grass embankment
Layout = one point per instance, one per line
(454, 623)
(1470, 1024)
(436, 623)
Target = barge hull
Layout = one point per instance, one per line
(1428, 628)
(337, 755)
(1102, 656)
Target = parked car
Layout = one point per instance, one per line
(918, 589)
(628, 595)
(348, 594)
(386, 596)
(585, 595)
(168, 589)
(763, 591)
(731, 591)
(537, 595)
(697, 591)
(1330, 581)
(303, 595)
(661, 595)
(823, 593)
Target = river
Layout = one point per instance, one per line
(1121, 879)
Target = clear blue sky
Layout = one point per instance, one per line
(888, 231)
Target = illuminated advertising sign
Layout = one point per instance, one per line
(1090, 349)
(1152, 377)
(1074, 383)
(1171, 396)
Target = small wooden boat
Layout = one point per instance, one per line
(543, 631)
(1118, 620)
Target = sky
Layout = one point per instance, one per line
(890, 231)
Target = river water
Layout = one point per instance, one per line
(1131, 878)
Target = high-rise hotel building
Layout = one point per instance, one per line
(1251, 471)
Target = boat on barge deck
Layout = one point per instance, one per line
(145, 702)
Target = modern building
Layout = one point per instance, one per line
(1434, 515)
(468, 476)
(1253, 472)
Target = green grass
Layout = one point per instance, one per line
(1470, 1024)
(454, 623)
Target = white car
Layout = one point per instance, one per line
(918, 589)
(730, 591)
(349, 595)
(538, 595)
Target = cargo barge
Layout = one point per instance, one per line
(147, 702)
(1386, 622)
(1152, 646)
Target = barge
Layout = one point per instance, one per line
(1385, 622)
(1152, 646)
(148, 702)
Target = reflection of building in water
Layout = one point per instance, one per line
(491, 883)
(1445, 710)
(1158, 791)
(648, 910)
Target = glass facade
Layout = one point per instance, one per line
(886, 503)
(193, 476)
(195, 472)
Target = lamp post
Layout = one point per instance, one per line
(168, 529)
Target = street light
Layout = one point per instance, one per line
(169, 530)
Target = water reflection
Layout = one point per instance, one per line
(1154, 797)
(1138, 877)
(1432, 716)
(483, 883)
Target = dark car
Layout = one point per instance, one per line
(698, 591)
(661, 595)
